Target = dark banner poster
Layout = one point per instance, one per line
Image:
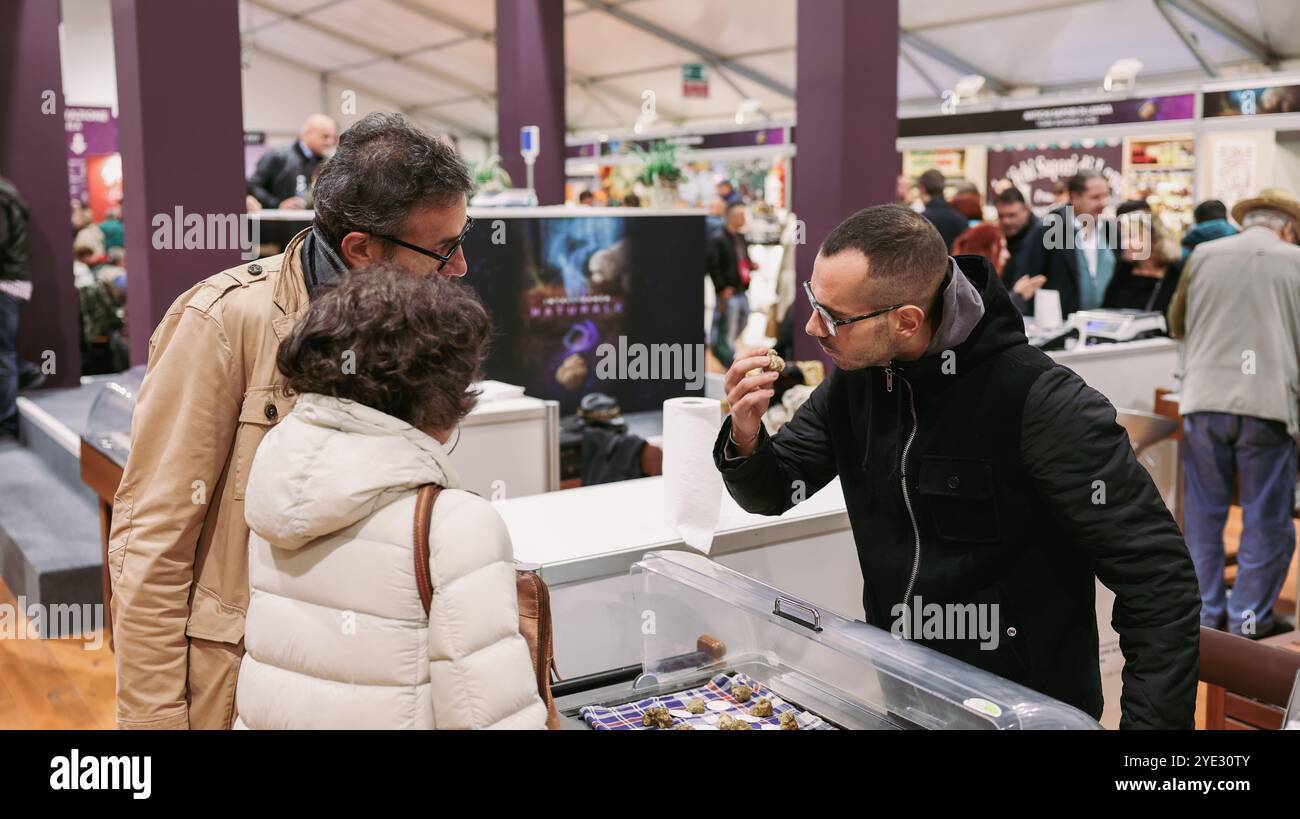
(560, 289)
(1249, 102)
(1035, 170)
(1111, 112)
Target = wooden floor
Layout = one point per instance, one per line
(61, 684)
(53, 683)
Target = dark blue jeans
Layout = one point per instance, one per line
(1218, 449)
(9, 363)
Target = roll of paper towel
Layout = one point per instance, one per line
(692, 484)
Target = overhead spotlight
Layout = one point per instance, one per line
(748, 107)
(1122, 74)
(968, 87)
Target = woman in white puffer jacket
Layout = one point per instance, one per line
(336, 636)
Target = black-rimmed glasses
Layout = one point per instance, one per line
(444, 258)
(831, 322)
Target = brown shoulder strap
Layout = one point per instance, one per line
(423, 515)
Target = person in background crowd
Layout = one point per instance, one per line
(716, 220)
(330, 503)
(984, 240)
(81, 216)
(15, 291)
(1017, 222)
(586, 199)
(1060, 192)
(972, 485)
(1149, 265)
(283, 176)
(1238, 307)
(905, 192)
(729, 266)
(179, 569)
(968, 204)
(1078, 266)
(726, 191)
(631, 201)
(1211, 223)
(91, 236)
(947, 221)
(111, 227)
(102, 348)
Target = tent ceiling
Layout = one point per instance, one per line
(437, 59)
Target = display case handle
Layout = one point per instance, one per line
(815, 625)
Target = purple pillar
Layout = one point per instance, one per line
(34, 156)
(847, 104)
(530, 90)
(180, 125)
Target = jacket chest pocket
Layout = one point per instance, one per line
(958, 494)
(262, 409)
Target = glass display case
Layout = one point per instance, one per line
(705, 625)
(108, 426)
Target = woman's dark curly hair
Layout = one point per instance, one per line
(406, 345)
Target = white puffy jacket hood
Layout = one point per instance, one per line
(335, 633)
(331, 463)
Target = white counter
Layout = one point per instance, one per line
(600, 531)
(1127, 373)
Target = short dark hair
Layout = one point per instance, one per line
(932, 182)
(1131, 205)
(417, 343)
(904, 252)
(1209, 210)
(586, 195)
(1079, 182)
(384, 167)
(1010, 196)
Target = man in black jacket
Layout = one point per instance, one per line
(938, 210)
(1073, 248)
(283, 176)
(975, 471)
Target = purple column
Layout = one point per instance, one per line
(847, 104)
(530, 90)
(34, 156)
(181, 124)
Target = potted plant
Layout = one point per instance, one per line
(660, 172)
(490, 176)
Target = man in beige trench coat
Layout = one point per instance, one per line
(178, 550)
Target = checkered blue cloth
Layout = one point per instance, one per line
(627, 717)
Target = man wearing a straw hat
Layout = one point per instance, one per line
(1238, 306)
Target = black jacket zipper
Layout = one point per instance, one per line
(907, 497)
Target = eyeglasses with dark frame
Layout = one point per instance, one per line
(469, 223)
(831, 322)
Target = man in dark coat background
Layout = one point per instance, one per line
(284, 176)
(975, 471)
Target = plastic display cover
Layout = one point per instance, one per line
(699, 617)
(108, 426)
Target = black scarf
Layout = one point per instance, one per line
(320, 264)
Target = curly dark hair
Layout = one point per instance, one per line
(416, 345)
(385, 166)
